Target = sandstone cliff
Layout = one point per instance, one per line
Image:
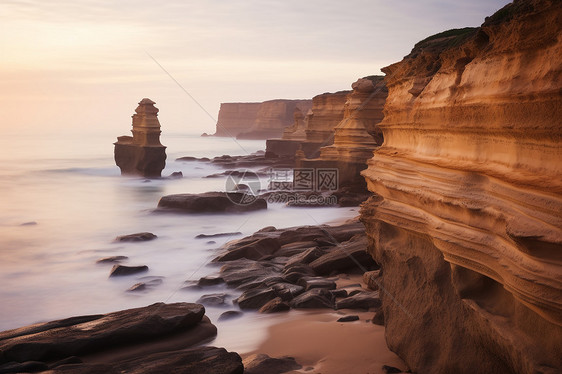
(466, 220)
(235, 118)
(327, 112)
(258, 120)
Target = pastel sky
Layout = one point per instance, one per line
(83, 65)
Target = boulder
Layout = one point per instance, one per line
(261, 364)
(138, 237)
(211, 202)
(370, 278)
(215, 299)
(348, 255)
(310, 283)
(122, 270)
(255, 298)
(305, 257)
(287, 291)
(350, 318)
(253, 251)
(361, 300)
(210, 281)
(230, 314)
(275, 306)
(315, 298)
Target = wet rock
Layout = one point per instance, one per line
(99, 332)
(315, 298)
(122, 270)
(30, 223)
(211, 202)
(203, 236)
(339, 293)
(138, 287)
(230, 314)
(176, 175)
(348, 255)
(287, 291)
(345, 232)
(138, 237)
(275, 306)
(370, 278)
(215, 299)
(348, 318)
(255, 298)
(316, 282)
(252, 251)
(111, 259)
(305, 257)
(390, 369)
(260, 282)
(210, 281)
(23, 367)
(190, 158)
(303, 234)
(243, 271)
(261, 364)
(66, 361)
(362, 300)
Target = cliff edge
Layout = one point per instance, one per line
(466, 219)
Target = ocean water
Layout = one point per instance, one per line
(63, 201)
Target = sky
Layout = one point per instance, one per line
(83, 65)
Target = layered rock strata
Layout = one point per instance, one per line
(142, 154)
(466, 219)
(357, 135)
(258, 120)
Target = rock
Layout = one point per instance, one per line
(378, 318)
(30, 223)
(348, 318)
(287, 291)
(203, 236)
(21, 367)
(138, 237)
(305, 257)
(210, 281)
(370, 278)
(390, 369)
(348, 255)
(310, 283)
(275, 306)
(176, 175)
(137, 287)
(252, 251)
(255, 298)
(362, 300)
(122, 270)
(46, 342)
(303, 234)
(142, 154)
(262, 364)
(66, 361)
(315, 298)
(212, 202)
(339, 293)
(215, 299)
(111, 259)
(230, 314)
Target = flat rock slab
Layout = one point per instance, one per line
(122, 270)
(138, 237)
(348, 255)
(361, 300)
(83, 335)
(212, 202)
(111, 259)
(252, 251)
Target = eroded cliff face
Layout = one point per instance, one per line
(466, 221)
(327, 112)
(235, 118)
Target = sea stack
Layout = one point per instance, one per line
(142, 154)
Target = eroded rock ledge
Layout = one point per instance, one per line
(465, 221)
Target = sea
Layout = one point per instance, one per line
(63, 202)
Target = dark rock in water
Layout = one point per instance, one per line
(231, 314)
(138, 237)
(111, 259)
(348, 318)
(142, 154)
(255, 298)
(210, 281)
(362, 300)
(348, 255)
(203, 236)
(23, 367)
(390, 369)
(302, 234)
(315, 298)
(262, 364)
(30, 223)
(378, 318)
(268, 229)
(215, 299)
(46, 342)
(316, 282)
(275, 306)
(176, 175)
(211, 242)
(122, 270)
(287, 291)
(252, 251)
(212, 202)
(137, 287)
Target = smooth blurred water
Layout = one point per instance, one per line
(63, 201)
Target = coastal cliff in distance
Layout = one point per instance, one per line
(466, 220)
(258, 120)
